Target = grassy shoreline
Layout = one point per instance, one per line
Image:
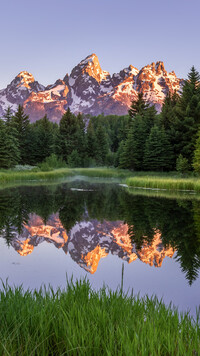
(80, 321)
(148, 180)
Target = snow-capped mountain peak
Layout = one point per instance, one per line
(90, 90)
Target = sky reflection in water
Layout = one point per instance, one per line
(87, 229)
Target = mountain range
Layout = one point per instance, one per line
(89, 90)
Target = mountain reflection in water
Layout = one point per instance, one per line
(89, 241)
(98, 219)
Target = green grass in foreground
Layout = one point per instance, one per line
(80, 321)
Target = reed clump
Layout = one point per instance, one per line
(13, 176)
(169, 183)
(81, 321)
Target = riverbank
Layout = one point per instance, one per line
(80, 321)
(149, 180)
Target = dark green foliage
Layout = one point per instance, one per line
(72, 135)
(188, 116)
(158, 152)
(52, 162)
(8, 115)
(138, 106)
(116, 128)
(44, 138)
(67, 132)
(110, 159)
(91, 141)
(9, 146)
(182, 164)
(132, 154)
(74, 159)
(102, 144)
(168, 120)
(22, 126)
(168, 112)
(196, 158)
(126, 158)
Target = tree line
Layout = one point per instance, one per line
(141, 140)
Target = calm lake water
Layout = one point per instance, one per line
(84, 228)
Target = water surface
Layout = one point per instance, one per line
(91, 229)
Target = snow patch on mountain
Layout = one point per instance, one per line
(89, 90)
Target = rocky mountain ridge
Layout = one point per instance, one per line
(89, 90)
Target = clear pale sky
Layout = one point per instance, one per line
(49, 37)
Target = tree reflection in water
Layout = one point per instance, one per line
(106, 208)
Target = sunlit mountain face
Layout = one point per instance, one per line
(102, 220)
(90, 90)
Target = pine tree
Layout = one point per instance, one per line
(8, 115)
(131, 156)
(91, 141)
(138, 106)
(72, 134)
(127, 158)
(43, 131)
(80, 139)
(68, 128)
(102, 144)
(158, 152)
(187, 118)
(9, 147)
(168, 119)
(196, 158)
(21, 124)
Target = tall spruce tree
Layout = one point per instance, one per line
(142, 118)
(187, 118)
(43, 130)
(91, 141)
(72, 134)
(158, 152)
(9, 146)
(138, 106)
(168, 119)
(127, 151)
(21, 123)
(68, 127)
(80, 139)
(8, 115)
(196, 158)
(102, 144)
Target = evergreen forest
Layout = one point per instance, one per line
(142, 140)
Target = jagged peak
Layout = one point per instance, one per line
(25, 78)
(160, 66)
(157, 68)
(133, 70)
(90, 66)
(92, 58)
(25, 74)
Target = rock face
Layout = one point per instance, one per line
(90, 90)
(89, 241)
(18, 91)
